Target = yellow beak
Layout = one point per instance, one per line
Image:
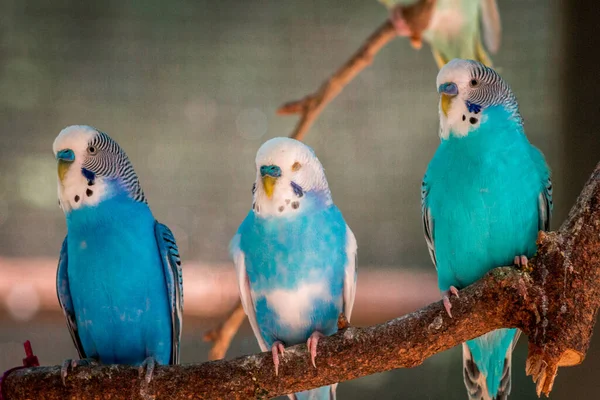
(269, 185)
(63, 167)
(445, 103)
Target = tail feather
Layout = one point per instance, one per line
(475, 382)
(487, 381)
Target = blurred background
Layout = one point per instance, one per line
(190, 88)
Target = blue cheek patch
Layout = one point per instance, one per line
(474, 108)
(89, 175)
(297, 189)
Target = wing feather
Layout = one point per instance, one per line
(239, 260)
(545, 206)
(350, 273)
(174, 279)
(63, 292)
(428, 222)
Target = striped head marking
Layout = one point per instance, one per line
(92, 167)
(467, 89)
(286, 170)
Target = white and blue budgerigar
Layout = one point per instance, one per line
(119, 279)
(456, 29)
(485, 196)
(294, 255)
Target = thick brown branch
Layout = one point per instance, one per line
(352, 353)
(556, 306)
(311, 106)
(222, 335)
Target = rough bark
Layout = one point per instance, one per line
(555, 303)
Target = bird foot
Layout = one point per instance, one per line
(311, 343)
(146, 369)
(69, 363)
(402, 28)
(446, 298)
(522, 263)
(275, 350)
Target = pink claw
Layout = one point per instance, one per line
(275, 350)
(446, 298)
(311, 343)
(521, 261)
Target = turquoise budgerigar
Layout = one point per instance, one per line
(294, 255)
(485, 196)
(456, 29)
(119, 278)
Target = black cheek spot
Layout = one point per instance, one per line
(281, 208)
(473, 120)
(91, 182)
(89, 193)
(76, 198)
(295, 205)
(464, 117)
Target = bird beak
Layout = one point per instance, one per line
(448, 90)
(65, 159)
(269, 174)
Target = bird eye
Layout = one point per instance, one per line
(474, 83)
(296, 166)
(91, 150)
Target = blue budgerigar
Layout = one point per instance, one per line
(456, 29)
(119, 279)
(485, 196)
(295, 257)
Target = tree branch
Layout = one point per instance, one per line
(222, 335)
(555, 305)
(311, 106)
(416, 17)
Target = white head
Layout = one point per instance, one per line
(287, 172)
(468, 88)
(90, 164)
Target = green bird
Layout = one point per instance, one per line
(453, 28)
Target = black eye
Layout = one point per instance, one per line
(91, 150)
(474, 83)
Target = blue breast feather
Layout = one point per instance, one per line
(286, 254)
(483, 197)
(117, 282)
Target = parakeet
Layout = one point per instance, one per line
(485, 196)
(119, 278)
(294, 255)
(455, 28)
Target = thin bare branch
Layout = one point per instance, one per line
(222, 335)
(311, 106)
